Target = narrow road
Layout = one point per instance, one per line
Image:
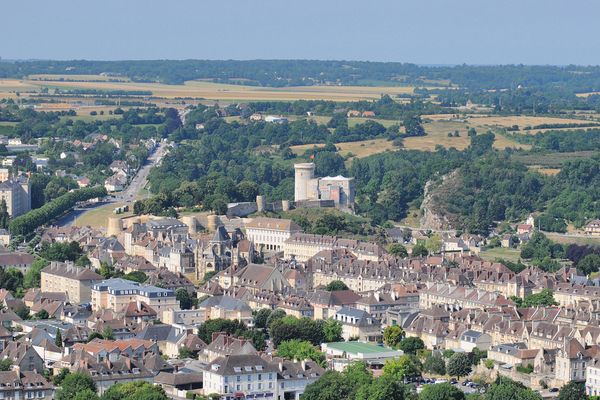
(138, 182)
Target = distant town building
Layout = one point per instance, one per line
(593, 228)
(71, 279)
(114, 294)
(16, 193)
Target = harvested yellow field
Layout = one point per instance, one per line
(483, 123)
(489, 122)
(437, 134)
(76, 77)
(366, 147)
(544, 170)
(12, 85)
(218, 91)
(359, 149)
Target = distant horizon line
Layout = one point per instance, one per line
(428, 65)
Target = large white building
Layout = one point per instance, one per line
(251, 376)
(17, 195)
(270, 233)
(237, 374)
(337, 188)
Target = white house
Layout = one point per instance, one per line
(241, 376)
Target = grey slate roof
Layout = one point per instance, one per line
(241, 364)
(226, 302)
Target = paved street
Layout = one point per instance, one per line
(127, 196)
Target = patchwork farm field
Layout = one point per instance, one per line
(207, 90)
(76, 78)
(437, 134)
(358, 149)
(483, 123)
(552, 160)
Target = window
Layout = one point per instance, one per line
(249, 378)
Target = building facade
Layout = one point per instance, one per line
(270, 233)
(67, 278)
(337, 188)
(17, 195)
(115, 294)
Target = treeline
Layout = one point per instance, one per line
(32, 124)
(384, 107)
(213, 191)
(28, 222)
(560, 141)
(388, 184)
(572, 79)
(492, 188)
(544, 99)
(255, 152)
(573, 194)
(561, 126)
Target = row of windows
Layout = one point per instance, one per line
(248, 387)
(238, 378)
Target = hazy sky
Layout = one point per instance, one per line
(418, 31)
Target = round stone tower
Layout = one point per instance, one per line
(212, 222)
(191, 222)
(114, 226)
(260, 203)
(303, 174)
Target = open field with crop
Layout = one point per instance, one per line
(483, 123)
(501, 252)
(214, 91)
(552, 160)
(385, 122)
(75, 77)
(437, 134)
(359, 149)
(98, 217)
(543, 170)
(580, 240)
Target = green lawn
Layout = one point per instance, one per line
(501, 252)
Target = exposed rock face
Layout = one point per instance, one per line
(434, 210)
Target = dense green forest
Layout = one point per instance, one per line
(227, 162)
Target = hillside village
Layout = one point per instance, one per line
(299, 200)
(119, 328)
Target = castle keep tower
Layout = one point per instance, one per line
(303, 174)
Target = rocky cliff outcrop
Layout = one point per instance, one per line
(434, 209)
